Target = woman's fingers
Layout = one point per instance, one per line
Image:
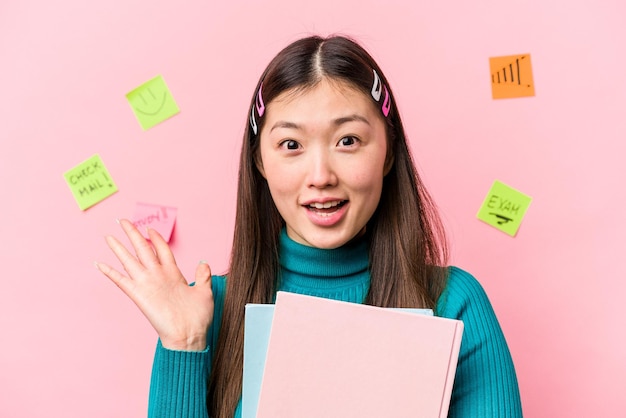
(143, 249)
(115, 276)
(130, 263)
(163, 251)
(180, 314)
(154, 260)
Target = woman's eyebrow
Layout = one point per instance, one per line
(285, 124)
(350, 118)
(337, 122)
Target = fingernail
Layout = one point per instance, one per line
(117, 220)
(96, 265)
(203, 262)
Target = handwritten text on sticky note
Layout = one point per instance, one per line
(152, 102)
(511, 76)
(160, 218)
(504, 208)
(90, 182)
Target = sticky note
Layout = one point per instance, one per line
(152, 102)
(511, 76)
(90, 182)
(504, 208)
(158, 217)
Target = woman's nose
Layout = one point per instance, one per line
(321, 173)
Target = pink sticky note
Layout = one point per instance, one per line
(160, 218)
(327, 358)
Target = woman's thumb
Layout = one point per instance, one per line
(203, 273)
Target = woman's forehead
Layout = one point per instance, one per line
(326, 93)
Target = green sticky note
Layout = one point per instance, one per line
(152, 102)
(504, 208)
(90, 182)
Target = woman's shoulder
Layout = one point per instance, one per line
(463, 293)
(461, 281)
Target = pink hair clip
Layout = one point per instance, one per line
(386, 103)
(377, 89)
(260, 108)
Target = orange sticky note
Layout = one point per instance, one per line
(328, 358)
(511, 76)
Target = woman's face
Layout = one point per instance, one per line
(322, 153)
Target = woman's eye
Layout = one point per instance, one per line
(290, 144)
(347, 141)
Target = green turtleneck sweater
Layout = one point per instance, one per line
(485, 384)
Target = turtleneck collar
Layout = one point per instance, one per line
(340, 273)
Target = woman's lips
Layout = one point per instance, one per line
(327, 213)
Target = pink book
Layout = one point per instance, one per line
(328, 358)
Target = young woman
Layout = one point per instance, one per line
(329, 204)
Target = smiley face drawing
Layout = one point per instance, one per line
(152, 102)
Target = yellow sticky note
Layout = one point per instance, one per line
(504, 208)
(90, 182)
(152, 102)
(511, 76)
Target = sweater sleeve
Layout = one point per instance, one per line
(485, 384)
(178, 385)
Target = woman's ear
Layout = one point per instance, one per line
(389, 159)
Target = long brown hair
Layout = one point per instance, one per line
(407, 246)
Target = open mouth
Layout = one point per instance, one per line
(326, 207)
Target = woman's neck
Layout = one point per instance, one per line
(341, 273)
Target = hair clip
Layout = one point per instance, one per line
(260, 106)
(376, 87)
(386, 103)
(253, 122)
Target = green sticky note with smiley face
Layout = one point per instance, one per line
(152, 102)
(90, 182)
(504, 208)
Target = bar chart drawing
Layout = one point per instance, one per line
(511, 76)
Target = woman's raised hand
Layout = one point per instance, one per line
(180, 314)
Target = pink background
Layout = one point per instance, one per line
(72, 345)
